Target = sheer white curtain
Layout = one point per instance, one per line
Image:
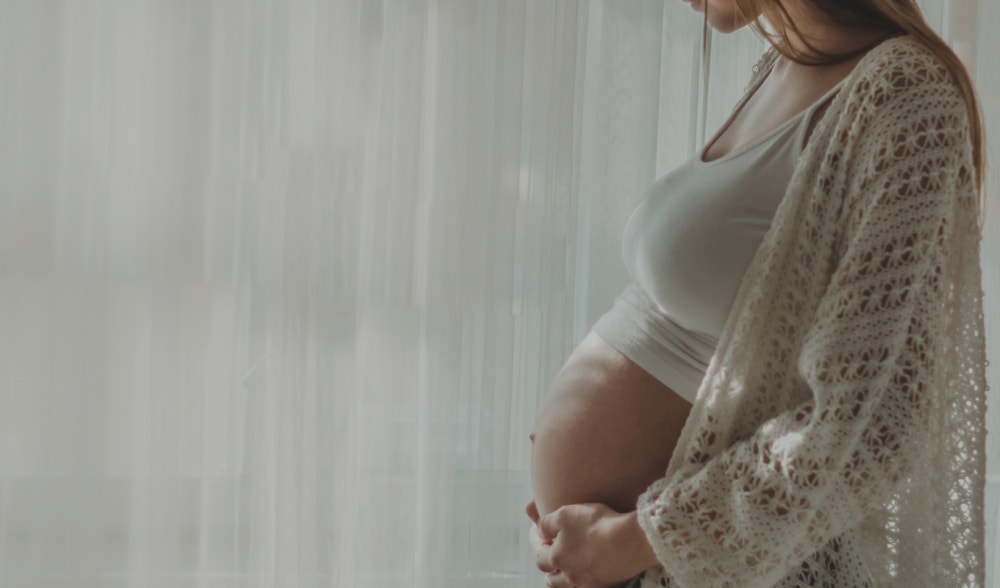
(282, 282)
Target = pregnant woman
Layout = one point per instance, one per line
(791, 391)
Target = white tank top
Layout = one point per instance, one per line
(687, 245)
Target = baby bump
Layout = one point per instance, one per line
(605, 432)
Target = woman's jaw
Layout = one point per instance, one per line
(817, 32)
(721, 14)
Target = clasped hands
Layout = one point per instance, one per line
(588, 545)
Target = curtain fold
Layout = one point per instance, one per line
(283, 282)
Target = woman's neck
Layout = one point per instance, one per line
(818, 34)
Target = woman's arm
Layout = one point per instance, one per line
(748, 514)
(588, 545)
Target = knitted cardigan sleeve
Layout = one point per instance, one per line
(742, 505)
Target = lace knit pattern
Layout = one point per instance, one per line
(838, 437)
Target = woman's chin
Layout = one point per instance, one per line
(721, 19)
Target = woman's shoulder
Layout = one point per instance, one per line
(903, 66)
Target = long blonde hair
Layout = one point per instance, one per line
(893, 17)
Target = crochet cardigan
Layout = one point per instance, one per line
(838, 435)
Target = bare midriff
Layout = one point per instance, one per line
(605, 432)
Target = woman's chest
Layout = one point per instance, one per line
(692, 236)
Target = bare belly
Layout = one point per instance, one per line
(605, 432)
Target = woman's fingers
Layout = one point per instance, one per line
(560, 579)
(542, 550)
(555, 580)
(536, 540)
(548, 558)
(532, 511)
(574, 547)
(552, 523)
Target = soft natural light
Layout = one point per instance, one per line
(283, 282)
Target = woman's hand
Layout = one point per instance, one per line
(588, 546)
